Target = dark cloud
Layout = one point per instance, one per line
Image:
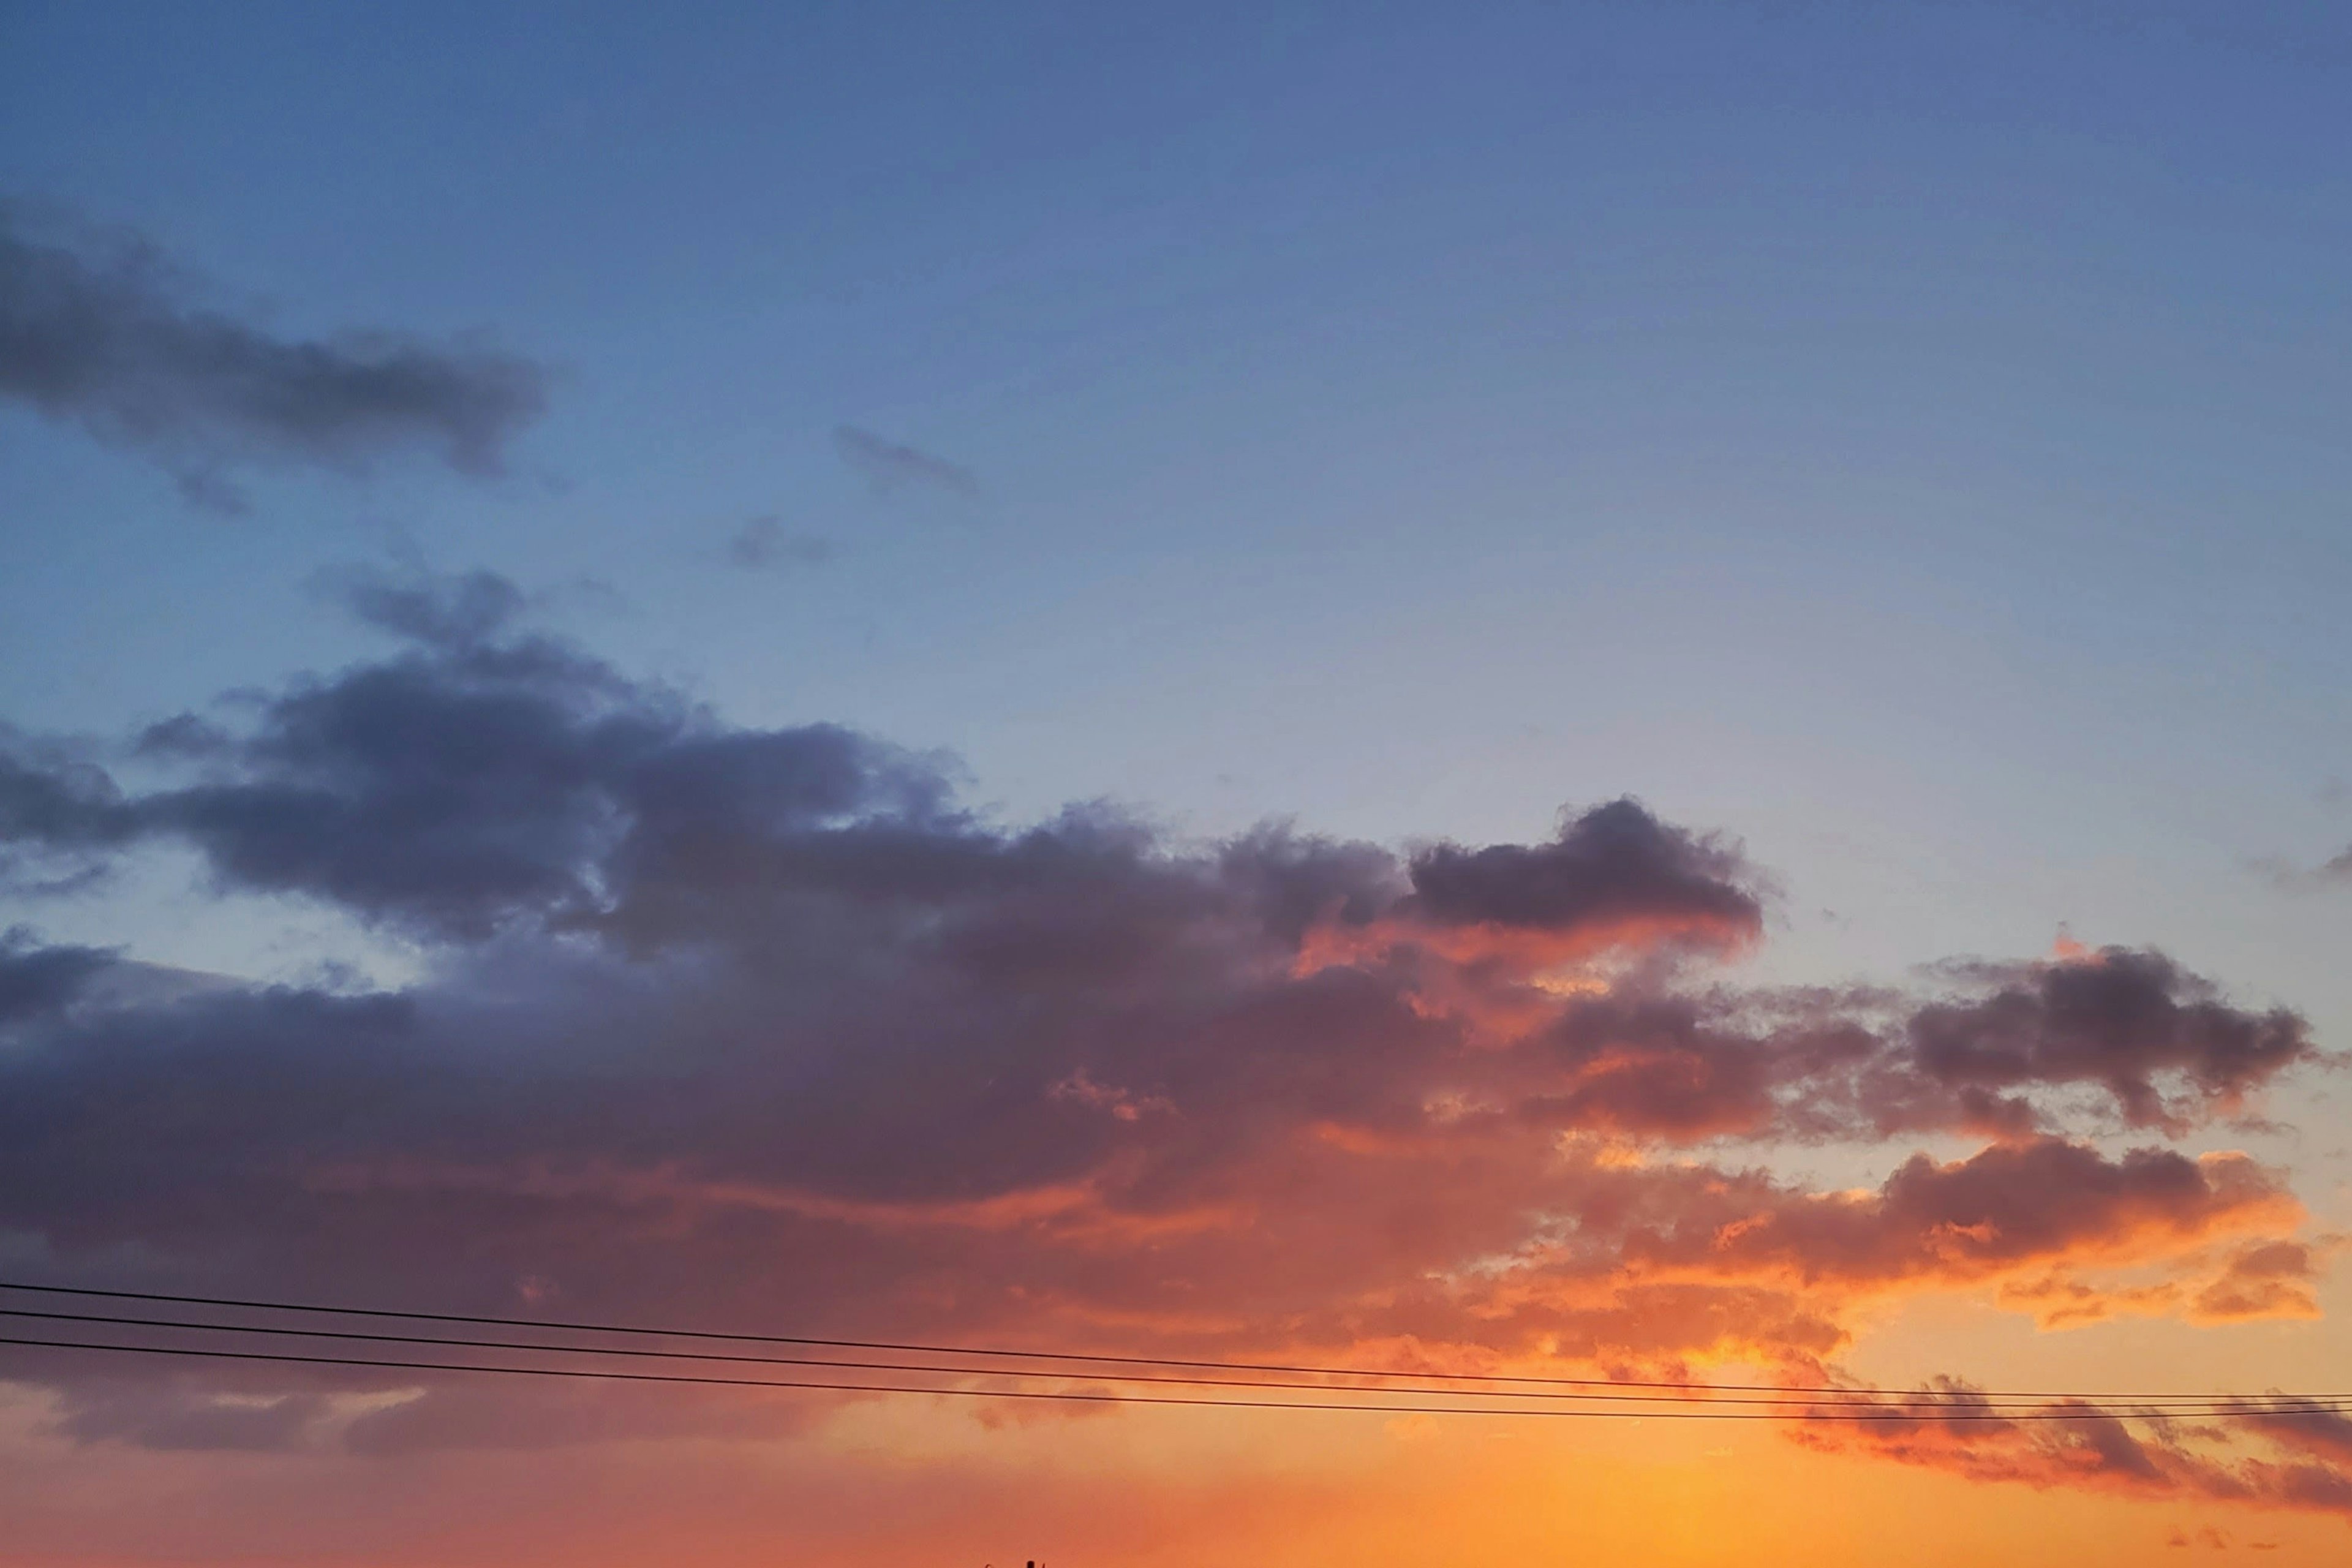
(460, 611)
(471, 781)
(2129, 1022)
(763, 543)
(1659, 1066)
(35, 979)
(2014, 1054)
(761, 1026)
(52, 797)
(105, 335)
(62, 817)
(2252, 1460)
(888, 466)
(1613, 865)
(2006, 1205)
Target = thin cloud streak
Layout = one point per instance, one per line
(888, 466)
(764, 544)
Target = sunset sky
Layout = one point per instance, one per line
(1640, 692)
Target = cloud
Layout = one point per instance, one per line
(2294, 877)
(457, 612)
(888, 466)
(2252, 1460)
(62, 817)
(468, 781)
(762, 542)
(2320, 1434)
(1614, 864)
(105, 334)
(2267, 1279)
(2334, 872)
(36, 979)
(169, 1418)
(53, 798)
(767, 1022)
(2006, 1206)
(2117, 1019)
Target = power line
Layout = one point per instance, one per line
(1840, 1415)
(1930, 1401)
(1095, 1358)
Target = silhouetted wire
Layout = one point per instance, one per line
(1839, 1414)
(1094, 1358)
(1927, 1399)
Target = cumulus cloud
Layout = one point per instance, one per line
(1614, 865)
(888, 466)
(768, 1021)
(106, 335)
(2117, 1019)
(470, 781)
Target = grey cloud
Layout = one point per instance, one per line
(488, 778)
(104, 335)
(761, 1026)
(52, 797)
(62, 817)
(463, 783)
(1613, 863)
(35, 979)
(888, 466)
(2294, 877)
(763, 543)
(2252, 1460)
(2120, 1019)
(2012, 1054)
(182, 1418)
(461, 611)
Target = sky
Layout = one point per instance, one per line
(1647, 691)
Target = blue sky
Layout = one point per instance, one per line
(1909, 438)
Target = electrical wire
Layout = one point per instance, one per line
(1089, 1398)
(1096, 1358)
(1928, 1401)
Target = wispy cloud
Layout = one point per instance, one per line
(104, 333)
(889, 465)
(764, 544)
(2333, 872)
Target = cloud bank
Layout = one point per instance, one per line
(769, 1022)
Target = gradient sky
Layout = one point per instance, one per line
(1903, 446)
